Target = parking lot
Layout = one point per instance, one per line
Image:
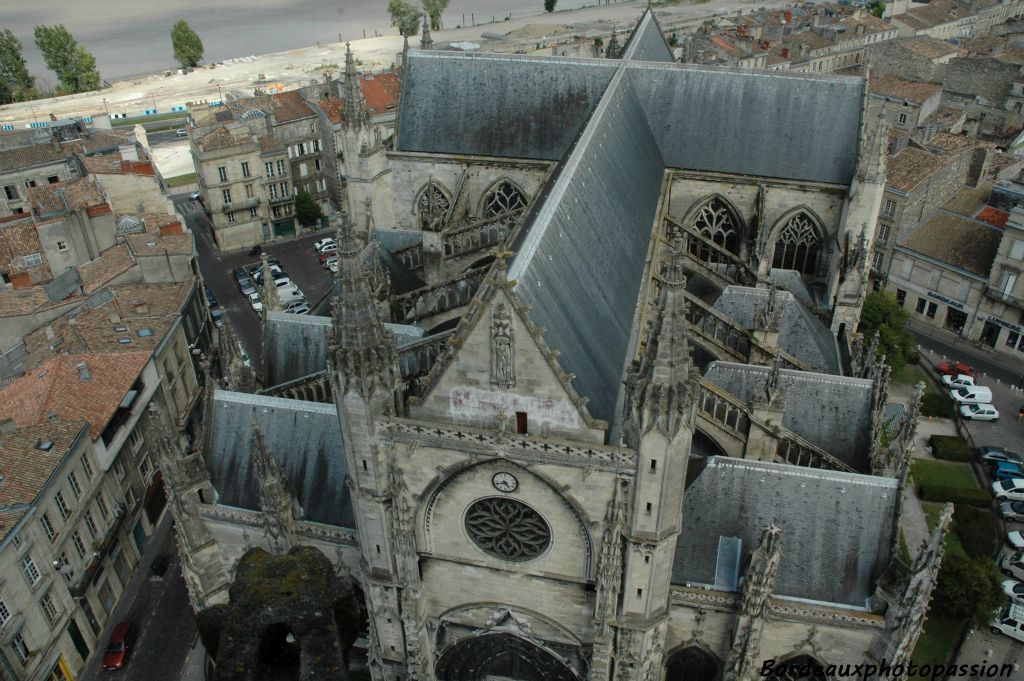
(297, 258)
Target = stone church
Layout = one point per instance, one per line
(589, 401)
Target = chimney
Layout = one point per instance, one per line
(785, 53)
(789, 16)
(52, 417)
(55, 142)
(141, 308)
(83, 372)
(7, 427)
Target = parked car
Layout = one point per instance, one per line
(1012, 510)
(298, 308)
(333, 266)
(958, 381)
(979, 412)
(1015, 590)
(955, 368)
(972, 394)
(282, 280)
(181, 132)
(248, 288)
(244, 355)
(275, 270)
(218, 318)
(1009, 490)
(320, 245)
(241, 275)
(1015, 539)
(256, 303)
(999, 454)
(293, 294)
(1010, 621)
(121, 640)
(327, 254)
(210, 298)
(331, 262)
(1004, 470)
(1012, 565)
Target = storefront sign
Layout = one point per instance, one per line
(1005, 324)
(947, 301)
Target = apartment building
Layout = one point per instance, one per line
(34, 165)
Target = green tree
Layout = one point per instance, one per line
(15, 81)
(434, 8)
(883, 313)
(74, 65)
(306, 209)
(188, 48)
(405, 16)
(549, 5)
(877, 8)
(968, 589)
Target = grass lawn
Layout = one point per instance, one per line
(171, 115)
(938, 640)
(181, 180)
(931, 513)
(910, 374)
(943, 474)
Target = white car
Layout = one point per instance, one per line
(979, 412)
(1009, 490)
(298, 308)
(1012, 510)
(1010, 621)
(256, 303)
(331, 261)
(1015, 539)
(317, 245)
(1012, 565)
(333, 267)
(282, 281)
(957, 381)
(1015, 590)
(325, 245)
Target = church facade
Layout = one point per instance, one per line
(586, 405)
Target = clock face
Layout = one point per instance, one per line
(504, 482)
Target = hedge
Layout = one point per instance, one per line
(950, 448)
(958, 495)
(978, 531)
(937, 404)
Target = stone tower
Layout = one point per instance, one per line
(364, 377)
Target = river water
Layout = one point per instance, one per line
(131, 37)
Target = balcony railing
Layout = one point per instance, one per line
(288, 198)
(79, 586)
(240, 205)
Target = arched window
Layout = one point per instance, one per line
(798, 245)
(504, 198)
(801, 668)
(715, 221)
(692, 664)
(432, 205)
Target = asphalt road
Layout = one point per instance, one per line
(297, 259)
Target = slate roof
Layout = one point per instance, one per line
(296, 346)
(958, 241)
(647, 42)
(801, 334)
(55, 386)
(836, 527)
(832, 412)
(304, 437)
(26, 468)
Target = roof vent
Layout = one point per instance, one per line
(145, 332)
(124, 341)
(52, 417)
(83, 372)
(7, 426)
(44, 445)
(141, 307)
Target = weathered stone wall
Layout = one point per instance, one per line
(891, 58)
(985, 77)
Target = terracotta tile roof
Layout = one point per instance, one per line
(22, 301)
(57, 387)
(945, 117)
(953, 144)
(26, 467)
(969, 200)
(289, 106)
(870, 22)
(939, 12)
(332, 108)
(59, 198)
(18, 239)
(910, 167)
(25, 157)
(721, 42)
(966, 244)
(218, 138)
(931, 48)
(993, 216)
(111, 263)
(894, 86)
(103, 140)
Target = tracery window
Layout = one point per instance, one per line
(431, 206)
(716, 222)
(507, 529)
(504, 198)
(798, 245)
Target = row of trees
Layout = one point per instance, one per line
(406, 14)
(74, 66)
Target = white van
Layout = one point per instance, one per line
(971, 394)
(1009, 620)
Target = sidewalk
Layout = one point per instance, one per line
(1002, 366)
(195, 663)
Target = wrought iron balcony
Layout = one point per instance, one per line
(240, 205)
(288, 198)
(79, 586)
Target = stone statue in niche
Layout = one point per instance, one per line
(503, 368)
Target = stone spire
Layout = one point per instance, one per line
(904, 626)
(612, 51)
(280, 508)
(772, 394)
(355, 106)
(609, 583)
(661, 392)
(426, 42)
(744, 659)
(271, 301)
(363, 350)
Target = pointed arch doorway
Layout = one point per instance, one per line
(500, 657)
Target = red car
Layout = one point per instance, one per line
(956, 369)
(329, 253)
(116, 654)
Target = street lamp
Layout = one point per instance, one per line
(105, 107)
(220, 95)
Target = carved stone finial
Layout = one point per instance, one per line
(426, 42)
(772, 393)
(744, 656)
(280, 508)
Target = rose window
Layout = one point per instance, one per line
(507, 529)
